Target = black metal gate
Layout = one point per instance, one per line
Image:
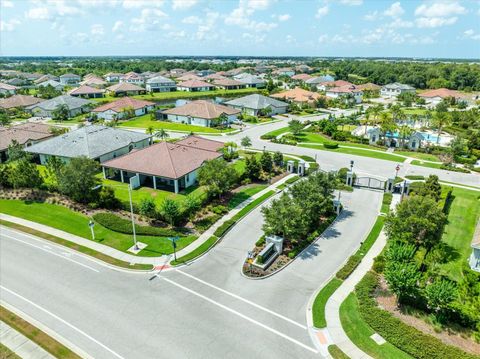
(369, 182)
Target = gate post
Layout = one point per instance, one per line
(301, 168)
(389, 185)
(290, 166)
(349, 181)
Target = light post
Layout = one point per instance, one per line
(91, 224)
(351, 165)
(135, 246)
(396, 170)
(174, 245)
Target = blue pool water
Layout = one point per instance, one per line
(429, 137)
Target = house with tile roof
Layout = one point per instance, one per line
(46, 77)
(250, 80)
(229, 84)
(19, 101)
(118, 109)
(132, 78)
(166, 165)
(86, 91)
(345, 92)
(69, 79)
(113, 76)
(100, 143)
(160, 84)
(7, 89)
(93, 81)
(195, 86)
(25, 134)
(301, 77)
(395, 89)
(324, 86)
(201, 113)
(298, 95)
(434, 97)
(55, 84)
(125, 89)
(75, 106)
(255, 104)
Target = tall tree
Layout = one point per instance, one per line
(295, 127)
(78, 181)
(217, 176)
(61, 113)
(246, 142)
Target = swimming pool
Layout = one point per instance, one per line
(430, 137)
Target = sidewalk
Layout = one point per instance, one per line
(114, 253)
(20, 344)
(209, 232)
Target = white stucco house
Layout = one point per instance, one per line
(201, 113)
(117, 109)
(160, 84)
(70, 79)
(254, 104)
(395, 89)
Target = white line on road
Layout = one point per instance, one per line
(242, 316)
(244, 300)
(51, 252)
(62, 320)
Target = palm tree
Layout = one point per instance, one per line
(366, 120)
(162, 134)
(149, 130)
(376, 111)
(405, 131)
(441, 120)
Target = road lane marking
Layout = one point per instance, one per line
(251, 320)
(62, 320)
(243, 300)
(51, 252)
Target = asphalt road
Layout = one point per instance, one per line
(205, 310)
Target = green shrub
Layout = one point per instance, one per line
(205, 223)
(220, 231)
(349, 267)
(122, 225)
(415, 177)
(219, 209)
(404, 337)
(330, 145)
(267, 137)
(379, 264)
(261, 241)
(292, 180)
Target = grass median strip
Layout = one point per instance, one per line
(318, 309)
(55, 348)
(336, 353)
(76, 247)
(204, 247)
(358, 152)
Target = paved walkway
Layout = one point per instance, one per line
(20, 344)
(161, 261)
(334, 332)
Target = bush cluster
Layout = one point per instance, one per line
(349, 267)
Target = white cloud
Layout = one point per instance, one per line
(440, 9)
(192, 20)
(81, 37)
(149, 19)
(399, 23)
(38, 13)
(351, 2)
(432, 22)
(177, 34)
(289, 39)
(240, 16)
(8, 26)
(97, 30)
(470, 34)
(395, 10)
(183, 4)
(283, 17)
(117, 26)
(322, 11)
(137, 4)
(371, 16)
(62, 9)
(6, 3)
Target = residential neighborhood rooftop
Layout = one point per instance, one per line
(23, 133)
(70, 101)
(202, 109)
(256, 101)
(19, 101)
(298, 95)
(124, 87)
(443, 93)
(85, 90)
(122, 104)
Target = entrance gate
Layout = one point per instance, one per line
(369, 182)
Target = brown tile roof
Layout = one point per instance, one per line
(442, 92)
(23, 133)
(369, 87)
(336, 83)
(85, 90)
(215, 76)
(164, 159)
(93, 80)
(19, 101)
(8, 87)
(202, 109)
(121, 104)
(188, 77)
(344, 89)
(227, 82)
(298, 95)
(194, 83)
(301, 77)
(124, 87)
(200, 142)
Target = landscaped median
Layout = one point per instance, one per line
(222, 230)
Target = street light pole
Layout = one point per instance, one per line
(133, 219)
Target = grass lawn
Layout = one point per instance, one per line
(318, 309)
(359, 332)
(6, 353)
(146, 121)
(358, 152)
(336, 352)
(426, 164)
(76, 223)
(55, 348)
(245, 194)
(419, 155)
(278, 132)
(458, 235)
(210, 242)
(319, 138)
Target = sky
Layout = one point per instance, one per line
(366, 28)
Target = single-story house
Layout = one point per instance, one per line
(125, 89)
(228, 84)
(344, 92)
(46, 108)
(201, 113)
(433, 97)
(173, 166)
(160, 84)
(285, 71)
(189, 76)
(100, 143)
(474, 259)
(113, 76)
(301, 77)
(86, 92)
(324, 86)
(213, 77)
(303, 68)
(298, 95)
(203, 73)
(17, 81)
(6, 89)
(314, 82)
(132, 78)
(254, 104)
(116, 109)
(26, 134)
(369, 87)
(55, 84)
(177, 72)
(250, 80)
(395, 89)
(69, 79)
(94, 81)
(194, 86)
(46, 77)
(19, 101)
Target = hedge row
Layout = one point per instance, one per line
(404, 337)
(224, 227)
(349, 267)
(121, 225)
(330, 145)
